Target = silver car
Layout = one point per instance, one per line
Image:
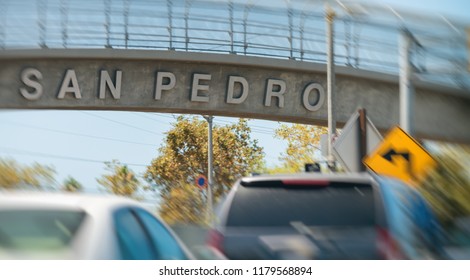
(79, 226)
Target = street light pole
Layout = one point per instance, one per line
(209, 169)
(330, 73)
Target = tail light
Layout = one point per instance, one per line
(387, 246)
(215, 239)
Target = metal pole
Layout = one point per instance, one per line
(468, 49)
(126, 22)
(42, 21)
(347, 41)
(209, 169)
(107, 11)
(169, 4)
(290, 14)
(362, 138)
(64, 21)
(3, 27)
(248, 6)
(230, 9)
(406, 88)
(302, 26)
(187, 6)
(330, 72)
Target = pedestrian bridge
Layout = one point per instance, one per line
(231, 58)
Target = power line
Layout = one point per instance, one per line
(268, 130)
(261, 129)
(264, 130)
(144, 115)
(77, 134)
(251, 125)
(166, 116)
(121, 123)
(23, 152)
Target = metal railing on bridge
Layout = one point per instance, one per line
(365, 37)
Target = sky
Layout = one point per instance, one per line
(76, 143)
(455, 9)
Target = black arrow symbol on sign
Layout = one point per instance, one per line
(391, 153)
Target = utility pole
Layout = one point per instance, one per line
(330, 73)
(406, 87)
(209, 169)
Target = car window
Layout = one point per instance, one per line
(338, 204)
(166, 245)
(38, 229)
(134, 242)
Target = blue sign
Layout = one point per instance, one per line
(201, 181)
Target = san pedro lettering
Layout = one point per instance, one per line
(237, 88)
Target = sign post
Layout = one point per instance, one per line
(358, 138)
(362, 138)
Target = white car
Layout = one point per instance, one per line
(79, 226)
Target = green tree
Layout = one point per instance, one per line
(121, 180)
(447, 187)
(303, 143)
(14, 175)
(71, 185)
(183, 156)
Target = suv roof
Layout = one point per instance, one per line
(91, 203)
(336, 177)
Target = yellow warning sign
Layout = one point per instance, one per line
(402, 157)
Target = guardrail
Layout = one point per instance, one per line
(364, 37)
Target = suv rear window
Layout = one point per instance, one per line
(271, 205)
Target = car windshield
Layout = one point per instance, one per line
(38, 229)
(337, 204)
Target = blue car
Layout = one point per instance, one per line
(325, 216)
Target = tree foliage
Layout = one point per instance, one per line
(183, 156)
(71, 185)
(447, 187)
(121, 180)
(303, 143)
(184, 205)
(14, 175)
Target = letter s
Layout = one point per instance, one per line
(26, 78)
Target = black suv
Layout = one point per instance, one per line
(331, 216)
